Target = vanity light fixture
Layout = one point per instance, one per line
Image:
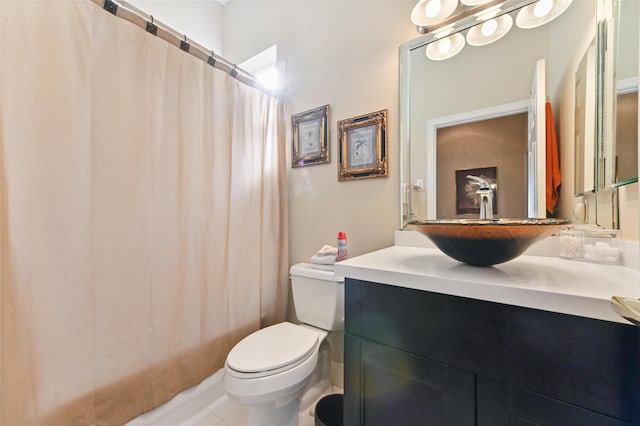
(489, 31)
(484, 21)
(445, 48)
(429, 12)
(541, 12)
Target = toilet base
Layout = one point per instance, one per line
(320, 380)
(271, 414)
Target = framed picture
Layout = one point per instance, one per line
(309, 137)
(467, 201)
(363, 146)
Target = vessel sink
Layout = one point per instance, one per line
(486, 242)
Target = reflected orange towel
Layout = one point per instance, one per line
(553, 164)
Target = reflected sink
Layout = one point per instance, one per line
(485, 242)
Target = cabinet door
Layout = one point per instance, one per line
(385, 386)
(410, 320)
(587, 363)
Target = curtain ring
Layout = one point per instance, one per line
(151, 27)
(183, 44)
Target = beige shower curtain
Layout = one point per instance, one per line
(143, 216)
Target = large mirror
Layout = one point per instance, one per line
(444, 102)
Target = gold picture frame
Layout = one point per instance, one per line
(309, 144)
(363, 147)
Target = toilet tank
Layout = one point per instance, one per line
(318, 297)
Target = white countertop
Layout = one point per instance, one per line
(547, 283)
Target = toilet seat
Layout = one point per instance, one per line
(272, 350)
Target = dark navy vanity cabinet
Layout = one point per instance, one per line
(420, 358)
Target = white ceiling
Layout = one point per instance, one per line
(223, 2)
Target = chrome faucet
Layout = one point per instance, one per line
(485, 192)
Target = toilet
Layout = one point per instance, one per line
(279, 370)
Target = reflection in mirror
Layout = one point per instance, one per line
(585, 126)
(500, 144)
(479, 79)
(626, 14)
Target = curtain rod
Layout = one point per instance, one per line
(130, 13)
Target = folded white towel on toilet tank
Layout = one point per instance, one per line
(325, 256)
(327, 251)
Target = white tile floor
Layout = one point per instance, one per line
(226, 412)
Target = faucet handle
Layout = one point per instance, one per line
(482, 183)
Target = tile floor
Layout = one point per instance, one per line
(226, 412)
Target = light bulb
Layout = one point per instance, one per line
(433, 8)
(542, 8)
(444, 45)
(445, 48)
(489, 27)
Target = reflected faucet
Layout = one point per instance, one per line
(485, 192)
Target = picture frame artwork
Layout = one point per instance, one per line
(309, 136)
(467, 201)
(363, 146)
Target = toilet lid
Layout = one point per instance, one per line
(272, 347)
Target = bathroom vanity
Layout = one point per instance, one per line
(534, 341)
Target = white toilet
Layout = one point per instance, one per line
(276, 370)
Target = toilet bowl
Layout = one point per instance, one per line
(272, 369)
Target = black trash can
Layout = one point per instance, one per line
(329, 410)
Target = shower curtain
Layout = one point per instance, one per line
(143, 216)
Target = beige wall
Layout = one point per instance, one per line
(344, 54)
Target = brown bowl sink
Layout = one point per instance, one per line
(485, 242)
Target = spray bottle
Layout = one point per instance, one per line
(342, 246)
